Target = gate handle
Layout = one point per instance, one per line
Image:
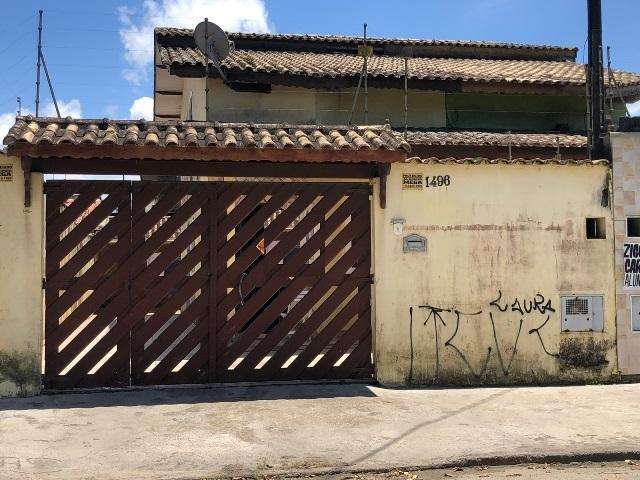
(244, 274)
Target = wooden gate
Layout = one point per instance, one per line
(159, 283)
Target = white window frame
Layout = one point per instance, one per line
(634, 332)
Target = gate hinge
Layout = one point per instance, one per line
(371, 279)
(44, 283)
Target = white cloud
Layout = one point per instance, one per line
(134, 76)
(72, 108)
(6, 122)
(634, 109)
(141, 108)
(111, 111)
(136, 33)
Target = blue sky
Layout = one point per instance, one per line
(99, 57)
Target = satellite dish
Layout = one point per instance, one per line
(212, 42)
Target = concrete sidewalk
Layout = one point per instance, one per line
(263, 430)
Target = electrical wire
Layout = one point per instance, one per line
(100, 49)
(17, 25)
(16, 40)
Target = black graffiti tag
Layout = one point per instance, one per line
(521, 305)
(435, 313)
(524, 306)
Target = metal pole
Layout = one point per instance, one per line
(206, 79)
(53, 95)
(609, 81)
(596, 77)
(366, 92)
(406, 95)
(355, 96)
(588, 118)
(38, 65)
(614, 82)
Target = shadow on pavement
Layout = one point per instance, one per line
(169, 396)
(427, 423)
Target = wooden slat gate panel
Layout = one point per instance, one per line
(158, 283)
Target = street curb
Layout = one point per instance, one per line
(492, 461)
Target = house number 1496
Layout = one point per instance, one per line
(437, 181)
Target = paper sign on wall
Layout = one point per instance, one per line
(412, 181)
(631, 255)
(6, 173)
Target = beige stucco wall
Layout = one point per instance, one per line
(21, 270)
(305, 106)
(502, 232)
(194, 87)
(626, 201)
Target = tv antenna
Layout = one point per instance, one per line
(42, 62)
(365, 51)
(213, 42)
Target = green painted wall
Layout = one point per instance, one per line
(426, 110)
(515, 112)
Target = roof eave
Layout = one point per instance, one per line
(206, 154)
(382, 46)
(391, 82)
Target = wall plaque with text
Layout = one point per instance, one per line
(6, 173)
(412, 181)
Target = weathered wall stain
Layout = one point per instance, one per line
(484, 228)
(583, 352)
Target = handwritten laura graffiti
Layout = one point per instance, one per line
(524, 306)
(525, 309)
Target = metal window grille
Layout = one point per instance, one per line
(577, 306)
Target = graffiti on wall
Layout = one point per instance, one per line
(535, 311)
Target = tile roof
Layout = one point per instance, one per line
(56, 131)
(559, 160)
(44, 135)
(336, 65)
(335, 57)
(335, 43)
(491, 139)
(131, 133)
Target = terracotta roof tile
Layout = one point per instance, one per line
(56, 131)
(342, 65)
(52, 131)
(472, 138)
(421, 47)
(513, 161)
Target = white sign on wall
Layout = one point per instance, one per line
(412, 181)
(6, 173)
(631, 254)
